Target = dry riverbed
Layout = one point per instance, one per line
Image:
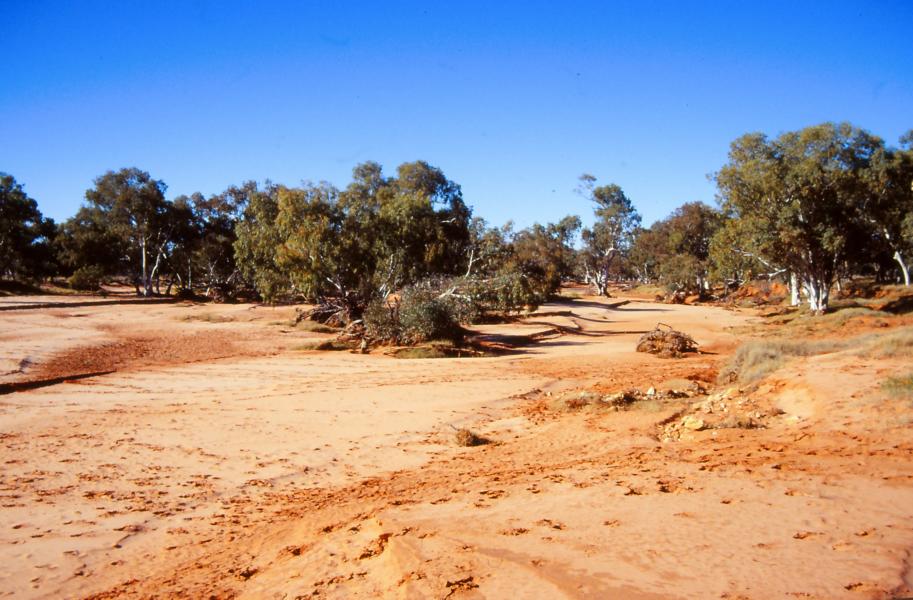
(187, 450)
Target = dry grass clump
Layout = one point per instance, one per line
(754, 360)
(209, 318)
(666, 342)
(314, 327)
(323, 345)
(895, 344)
(465, 437)
(843, 316)
(900, 387)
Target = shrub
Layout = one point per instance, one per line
(505, 293)
(424, 317)
(381, 320)
(420, 314)
(86, 278)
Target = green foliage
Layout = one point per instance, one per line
(25, 235)
(257, 240)
(346, 248)
(676, 250)
(735, 254)
(203, 253)
(87, 278)
(128, 222)
(508, 292)
(381, 319)
(797, 199)
(682, 273)
(887, 205)
(424, 317)
(420, 314)
(611, 235)
(508, 270)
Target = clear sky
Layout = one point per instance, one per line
(513, 100)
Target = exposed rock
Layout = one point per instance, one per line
(693, 423)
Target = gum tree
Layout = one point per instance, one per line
(128, 206)
(612, 233)
(798, 198)
(25, 235)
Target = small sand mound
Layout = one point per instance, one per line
(666, 342)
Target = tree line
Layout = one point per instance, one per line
(809, 207)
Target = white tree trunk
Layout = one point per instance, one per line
(903, 267)
(818, 294)
(793, 289)
(146, 289)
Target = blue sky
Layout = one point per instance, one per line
(513, 100)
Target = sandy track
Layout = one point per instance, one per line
(333, 474)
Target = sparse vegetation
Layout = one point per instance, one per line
(324, 345)
(314, 327)
(756, 359)
(893, 344)
(209, 317)
(899, 387)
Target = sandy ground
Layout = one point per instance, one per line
(181, 450)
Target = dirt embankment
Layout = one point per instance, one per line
(198, 468)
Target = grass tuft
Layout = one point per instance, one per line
(313, 326)
(465, 437)
(323, 345)
(899, 387)
(209, 318)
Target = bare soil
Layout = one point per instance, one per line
(196, 451)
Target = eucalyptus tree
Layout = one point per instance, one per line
(25, 235)
(257, 239)
(128, 208)
(343, 248)
(205, 256)
(676, 250)
(888, 205)
(798, 198)
(544, 255)
(612, 233)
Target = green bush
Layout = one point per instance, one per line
(381, 320)
(681, 273)
(505, 293)
(424, 317)
(421, 313)
(86, 278)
